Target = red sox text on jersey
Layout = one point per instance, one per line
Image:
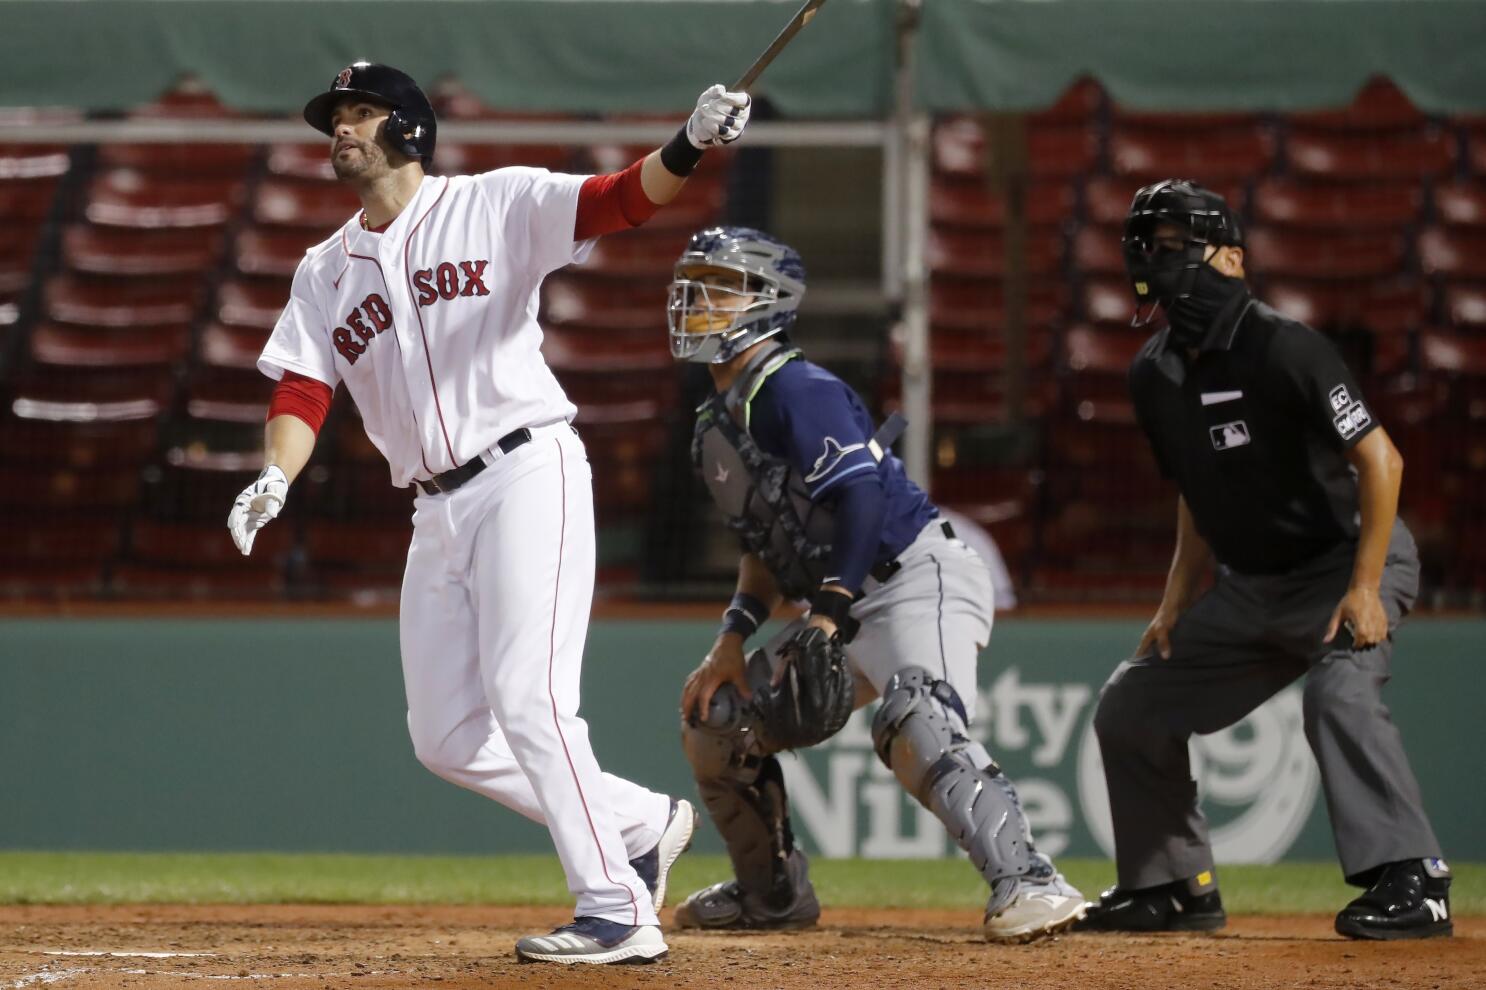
(373, 316)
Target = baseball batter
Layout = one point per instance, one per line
(824, 512)
(424, 304)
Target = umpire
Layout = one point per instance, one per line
(1291, 484)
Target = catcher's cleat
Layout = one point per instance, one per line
(1171, 907)
(594, 941)
(1041, 905)
(1410, 899)
(654, 866)
(727, 907)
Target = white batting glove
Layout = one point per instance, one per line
(258, 503)
(719, 118)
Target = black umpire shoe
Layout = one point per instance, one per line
(1410, 899)
(1171, 907)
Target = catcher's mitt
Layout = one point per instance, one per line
(813, 698)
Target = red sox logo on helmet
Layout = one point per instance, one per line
(343, 80)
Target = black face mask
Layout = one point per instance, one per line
(1192, 315)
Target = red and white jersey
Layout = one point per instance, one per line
(432, 324)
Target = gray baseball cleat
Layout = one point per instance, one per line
(654, 866)
(594, 941)
(1041, 903)
(728, 907)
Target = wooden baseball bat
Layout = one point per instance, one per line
(801, 18)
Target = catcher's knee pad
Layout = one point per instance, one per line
(920, 734)
(742, 785)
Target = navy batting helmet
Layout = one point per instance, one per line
(411, 127)
(732, 287)
(1159, 272)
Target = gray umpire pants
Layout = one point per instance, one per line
(1240, 643)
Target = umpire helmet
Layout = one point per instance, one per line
(712, 322)
(1159, 272)
(411, 127)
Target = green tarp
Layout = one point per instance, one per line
(543, 55)
(636, 55)
(1201, 54)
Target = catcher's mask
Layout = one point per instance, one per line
(1163, 269)
(732, 287)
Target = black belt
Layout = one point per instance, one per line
(888, 568)
(457, 477)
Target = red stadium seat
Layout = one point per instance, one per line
(1465, 305)
(1378, 106)
(1088, 351)
(959, 149)
(222, 346)
(979, 306)
(1338, 255)
(472, 159)
(47, 490)
(1096, 251)
(1453, 253)
(107, 347)
(319, 207)
(629, 308)
(254, 303)
(1281, 202)
(1359, 157)
(639, 253)
(982, 254)
(28, 164)
(1475, 147)
(180, 160)
(959, 203)
(96, 386)
(976, 353)
(1461, 204)
(1464, 356)
(1211, 156)
(18, 257)
(83, 539)
(32, 580)
(79, 445)
(1183, 123)
(27, 202)
(131, 198)
(113, 302)
(599, 354)
(128, 252)
(1109, 302)
(274, 252)
(309, 160)
(1079, 105)
(1385, 306)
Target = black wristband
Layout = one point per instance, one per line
(680, 156)
(744, 615)
(834, 605)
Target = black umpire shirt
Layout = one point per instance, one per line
(1253, 431)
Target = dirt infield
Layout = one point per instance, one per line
(333, 947)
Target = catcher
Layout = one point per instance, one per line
(899, 608)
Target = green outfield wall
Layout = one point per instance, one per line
(274, 734)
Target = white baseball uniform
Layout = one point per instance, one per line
(432, 326)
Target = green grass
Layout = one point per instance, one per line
(261, 878)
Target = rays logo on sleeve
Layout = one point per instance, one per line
(829, 458)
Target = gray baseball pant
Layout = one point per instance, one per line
(1241, 642)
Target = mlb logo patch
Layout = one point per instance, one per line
(1226, 436)
(1350, 422)
(1340, 399)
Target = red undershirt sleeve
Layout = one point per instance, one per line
(611, 203)
(302, 397)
